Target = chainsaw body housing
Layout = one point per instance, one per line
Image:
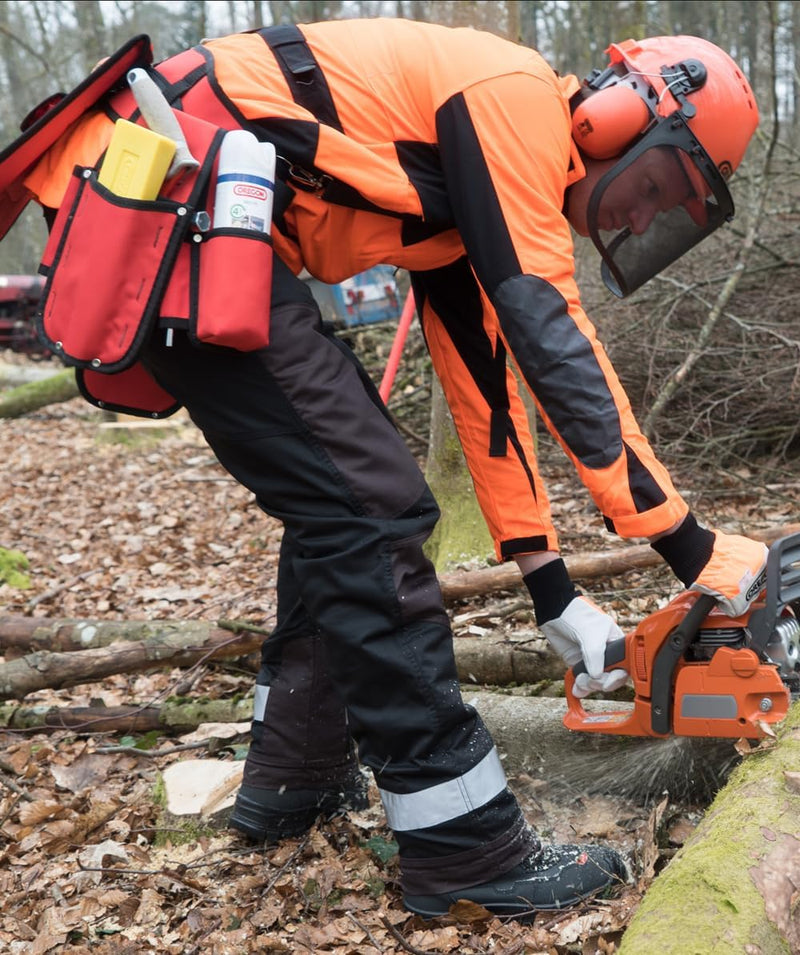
(698, 672)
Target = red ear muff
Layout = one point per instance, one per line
(608, 120)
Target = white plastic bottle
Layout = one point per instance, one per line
(245, 183)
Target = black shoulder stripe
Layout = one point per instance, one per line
(473, 198)
(302, 72)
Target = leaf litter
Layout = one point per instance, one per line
(118, 521)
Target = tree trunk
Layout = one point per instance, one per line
(461, 532)
(733, 886)
(38, 394)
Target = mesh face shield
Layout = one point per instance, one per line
(630, 260)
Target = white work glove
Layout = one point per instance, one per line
(581, 633)
(731, 568)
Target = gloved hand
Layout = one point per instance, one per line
(574, 626)
(581, 633)
(727, 566)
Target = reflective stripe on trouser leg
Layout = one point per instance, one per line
(446, 801)
(260, 697)
(297, 423)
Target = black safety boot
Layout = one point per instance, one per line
(269, 815)
(554, 877)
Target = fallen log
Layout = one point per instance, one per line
(20, 634)
(168, 645)
(460, 585)
(528, 731)
(733, 886)
(11, 376)
(531, 738)
(72, 652)
(171, 716)
(38, 394)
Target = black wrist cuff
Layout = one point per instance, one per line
(551, 590)
(687, 550)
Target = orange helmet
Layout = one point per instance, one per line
(681, 92)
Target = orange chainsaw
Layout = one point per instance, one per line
(698, 672)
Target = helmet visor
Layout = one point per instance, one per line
(694, 201)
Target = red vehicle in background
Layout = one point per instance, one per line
(19, 296)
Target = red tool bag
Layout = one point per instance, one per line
(116, 267)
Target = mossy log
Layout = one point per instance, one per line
(12, 376)
(171, 716)
(735, 884)
(38, 394)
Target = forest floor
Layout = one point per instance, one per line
(130, 520)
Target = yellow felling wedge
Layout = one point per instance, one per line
(136, 162)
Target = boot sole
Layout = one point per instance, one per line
(522, 913)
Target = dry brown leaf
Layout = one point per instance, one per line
(150, 910)
(792, 781)
(36, 812)
(743, 746)
(438, 939)
(766, 729)
(84, 773)
(468, 913)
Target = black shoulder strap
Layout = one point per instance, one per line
(303, 74)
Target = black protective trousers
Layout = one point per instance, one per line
(362, 637)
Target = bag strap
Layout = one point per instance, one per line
(302, 72)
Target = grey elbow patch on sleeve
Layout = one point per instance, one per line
(560, 367)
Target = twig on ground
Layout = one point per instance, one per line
(401, 941)
(153, 753)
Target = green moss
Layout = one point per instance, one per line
(182, 833)
(134, 438)
(461, 534)
(12, 565)
(160, 792)
(705, 901)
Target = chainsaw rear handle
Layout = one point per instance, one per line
(616, 651)
(682, 636)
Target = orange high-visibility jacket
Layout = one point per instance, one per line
(446, 152)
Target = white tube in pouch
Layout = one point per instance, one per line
(245, 183)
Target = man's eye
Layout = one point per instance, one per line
(651, 190)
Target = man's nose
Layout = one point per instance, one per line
(640, 216)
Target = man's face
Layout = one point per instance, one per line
(653, 183)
